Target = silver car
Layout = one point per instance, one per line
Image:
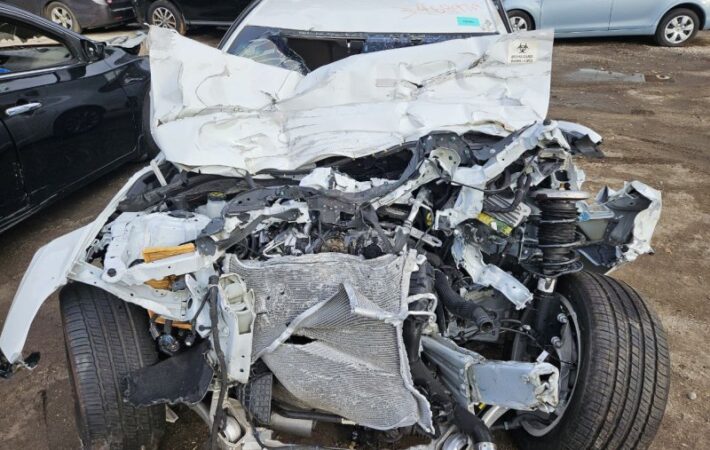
(672, 22)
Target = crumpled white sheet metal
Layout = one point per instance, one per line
(207, 116)
(49, 270)
(469, 257)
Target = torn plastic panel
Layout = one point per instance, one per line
(237, 304)
(585, 140)
(184, 378)
(619, 225)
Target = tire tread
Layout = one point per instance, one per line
(104, 343)
(621, 400)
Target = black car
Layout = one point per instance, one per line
(181, 14)
(78, 15)
(71, 109)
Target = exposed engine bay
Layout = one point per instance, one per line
(363, 286)
(408, 290)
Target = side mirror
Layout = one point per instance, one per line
(93, 50)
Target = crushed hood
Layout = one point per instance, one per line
(218, 113)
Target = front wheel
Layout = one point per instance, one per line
(614, 368)
(677, 28)
(63, 16)
(164, 14)
(106, 339)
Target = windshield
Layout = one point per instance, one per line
(304, 51)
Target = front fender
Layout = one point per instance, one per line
(704, 5)
(49, 270)
(46, 273)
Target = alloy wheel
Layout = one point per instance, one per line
(568, 358)
(518, 23)
(164, 18)
(62, 17)
(679, 29)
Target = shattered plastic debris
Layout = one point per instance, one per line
(634, 211)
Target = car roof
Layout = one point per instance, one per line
(378, 16)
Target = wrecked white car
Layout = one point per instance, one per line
(361, 220)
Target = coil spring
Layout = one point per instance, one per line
(557, 236)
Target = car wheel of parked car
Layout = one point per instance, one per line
(62, 15)
(677, 27)
(520, 20)
(166, 15)
(614, 384)
(106, 338)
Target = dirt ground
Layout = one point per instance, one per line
(657, 131)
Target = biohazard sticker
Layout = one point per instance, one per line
(522, 52)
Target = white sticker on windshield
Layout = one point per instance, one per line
(522, 51)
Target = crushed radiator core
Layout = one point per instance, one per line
(329, 327)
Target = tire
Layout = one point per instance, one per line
(63, 16)
(148, 148)
(106, 339)
(520, 20)
(166, 15)
(685, 21)
(622, 386)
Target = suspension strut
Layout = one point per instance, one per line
(557, 239)
(557, 232)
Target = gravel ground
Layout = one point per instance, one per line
(657, 131)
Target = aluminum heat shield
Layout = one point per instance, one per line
(329, 326)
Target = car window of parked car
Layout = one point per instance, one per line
(304, 51)
(24, 49)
